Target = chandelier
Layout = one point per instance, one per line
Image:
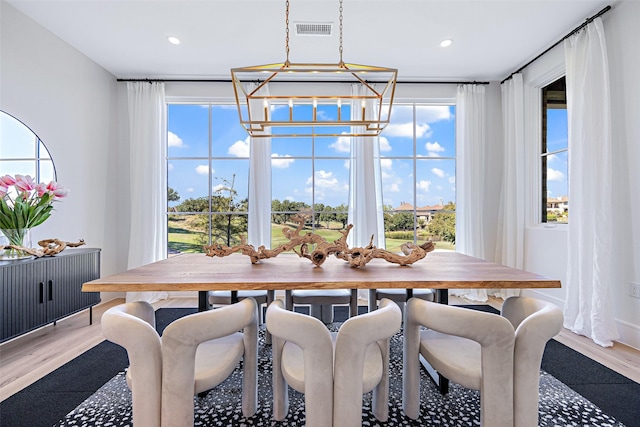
(313, 100)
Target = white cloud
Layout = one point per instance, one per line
(203, 170)
(219, 187)
(423, 185)
(434, 148)
(174, 140)
(406, 130)
(386, 163)
(433, 113)
(554, 175)
(552, 157)
(239, 148)
(190, 190)
(324, 179)
(281, 162)
(452, 179)
(342, 144)
(394, 188)
(289, 198)
(438, 172)
(170, 166)
(384, 144)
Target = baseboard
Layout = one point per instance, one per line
(629, 333)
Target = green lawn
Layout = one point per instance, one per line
(182, 239)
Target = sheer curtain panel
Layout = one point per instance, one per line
(470, 136)
(259, 227)
(365, 184)
(588, 309)
(148, 179)
(511, 217)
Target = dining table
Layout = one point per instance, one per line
(439, 270)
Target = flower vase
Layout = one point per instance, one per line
(16, 237)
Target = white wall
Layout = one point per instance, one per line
(546, 248)
(69, 102)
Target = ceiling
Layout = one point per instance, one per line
(491, 39)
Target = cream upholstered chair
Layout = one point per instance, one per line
(322, 301)
(200, 351)
(133, 326)
(303, 358)
(536, 322)
(499, 355)
(397, 295)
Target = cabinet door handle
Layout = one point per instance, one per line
(41, 292)
(50, 290)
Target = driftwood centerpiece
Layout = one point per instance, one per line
(356, 257)
(50, 247)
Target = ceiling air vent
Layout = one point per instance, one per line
(313, 28)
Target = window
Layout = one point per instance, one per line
(555, 153)
(418, 168)
(22, 152)
(208, 173)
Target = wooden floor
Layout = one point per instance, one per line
(26, 359)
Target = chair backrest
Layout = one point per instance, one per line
(536, 322)
(354, 337)
(180, 341)
(132, 325)
(494, 333)
(313, 337)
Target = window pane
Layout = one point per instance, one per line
(187, 233)
(188, 130)
(228, 229)
(435, 131)
(230, 178)
(397, 137)
(435, 182)
(555, 153)
(331, 182)
(397, 182)
(292, 181)
(189, 178)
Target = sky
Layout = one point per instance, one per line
(296, 175)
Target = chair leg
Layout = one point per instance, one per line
(373, 300)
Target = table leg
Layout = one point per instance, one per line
(203, 301)
(234, 297)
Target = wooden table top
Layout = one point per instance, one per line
(198, 272)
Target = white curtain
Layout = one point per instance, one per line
(259, 232)
(148, 179)
(470, 136)
(587, 309)
(365, 183)
(366, 211)
(511, 216)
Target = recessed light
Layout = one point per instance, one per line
(446, 43)
(173, 40)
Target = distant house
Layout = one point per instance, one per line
(558, 205)
(424, 213)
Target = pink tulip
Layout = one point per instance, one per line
(24, 183)
(41, 189)
(60, 192)
(3, 189)
(7, 180)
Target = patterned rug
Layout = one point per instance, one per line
(559, 405)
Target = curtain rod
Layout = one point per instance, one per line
(294, 81)
(575, 30)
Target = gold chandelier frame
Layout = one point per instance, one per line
(297, 84)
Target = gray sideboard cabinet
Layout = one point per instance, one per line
(38, 291)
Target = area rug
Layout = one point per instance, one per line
(559, 404)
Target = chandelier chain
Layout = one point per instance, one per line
(340, 50)
(287, 33)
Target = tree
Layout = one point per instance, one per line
(443, 223)
(172, 195)
(401, 221)
(229, 225)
